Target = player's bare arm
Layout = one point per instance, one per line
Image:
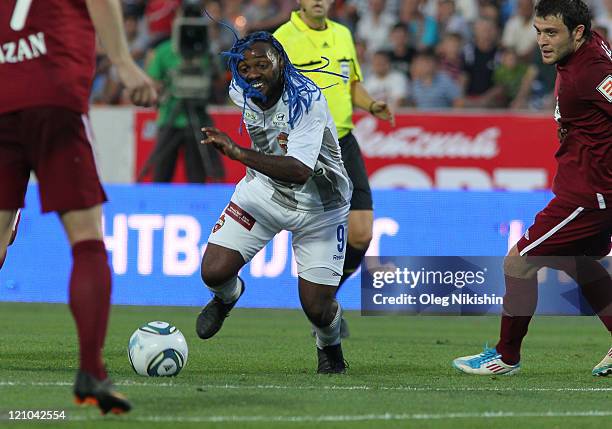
(107, 18)
(378, 108)
(284, 168)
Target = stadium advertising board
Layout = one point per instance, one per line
(155, 236)
(425, 150)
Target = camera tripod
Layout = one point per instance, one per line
(197, 115)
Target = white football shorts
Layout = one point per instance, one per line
(252, 219)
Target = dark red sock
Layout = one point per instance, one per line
(90, 288)
(520, 302)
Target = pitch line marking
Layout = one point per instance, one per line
(355, 418)
(323, 387)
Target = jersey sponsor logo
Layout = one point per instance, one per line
(239, 215)
(280, 120)
(250, 117)
(24, 49)
(605, 88)
(219, 223)
(338, 257)
(283, 139)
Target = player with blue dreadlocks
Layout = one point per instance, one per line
(295, 181)
(300, 89)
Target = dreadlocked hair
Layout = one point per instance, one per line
(300, 90)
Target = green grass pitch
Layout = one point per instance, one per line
(259, 372)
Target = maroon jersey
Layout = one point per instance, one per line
(584, 108)
(47, 54)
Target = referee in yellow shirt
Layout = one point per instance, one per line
(307, 37)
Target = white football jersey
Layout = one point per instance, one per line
(313, 141)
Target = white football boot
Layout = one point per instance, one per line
(488, 362)
(604, 367)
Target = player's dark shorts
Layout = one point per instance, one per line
(55, 143)
(355, 167)
(564, 229)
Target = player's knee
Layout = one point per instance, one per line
(319, 304)
(320, 314)
(214, 272)
(219, 265)
(213, 275)
(511, 265)
(518, 267)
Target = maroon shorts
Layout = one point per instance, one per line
(55, 143)
(563, 229)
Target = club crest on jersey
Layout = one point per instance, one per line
(219, 223)
(283, 139)
(280, 120)
(250, 117)
(605, 88)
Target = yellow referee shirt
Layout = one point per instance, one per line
(306, 46)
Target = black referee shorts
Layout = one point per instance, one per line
(355, 167)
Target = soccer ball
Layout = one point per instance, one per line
(157, 349)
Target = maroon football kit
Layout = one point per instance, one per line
(578, 221)
(47, 62)
(47, 50)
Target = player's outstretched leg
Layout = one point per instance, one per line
(325, 314)
(220, 267)
(88, 390)
(604, 367)
(520, 302)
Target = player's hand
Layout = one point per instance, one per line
(139, 86)
(381, 110)
(221, 141)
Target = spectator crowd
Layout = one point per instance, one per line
(424, 54)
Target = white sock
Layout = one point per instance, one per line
(329, 335)
(229, 291)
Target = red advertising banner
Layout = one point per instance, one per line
(145, 130)
(424, 150)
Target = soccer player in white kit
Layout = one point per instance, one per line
(295, 181)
